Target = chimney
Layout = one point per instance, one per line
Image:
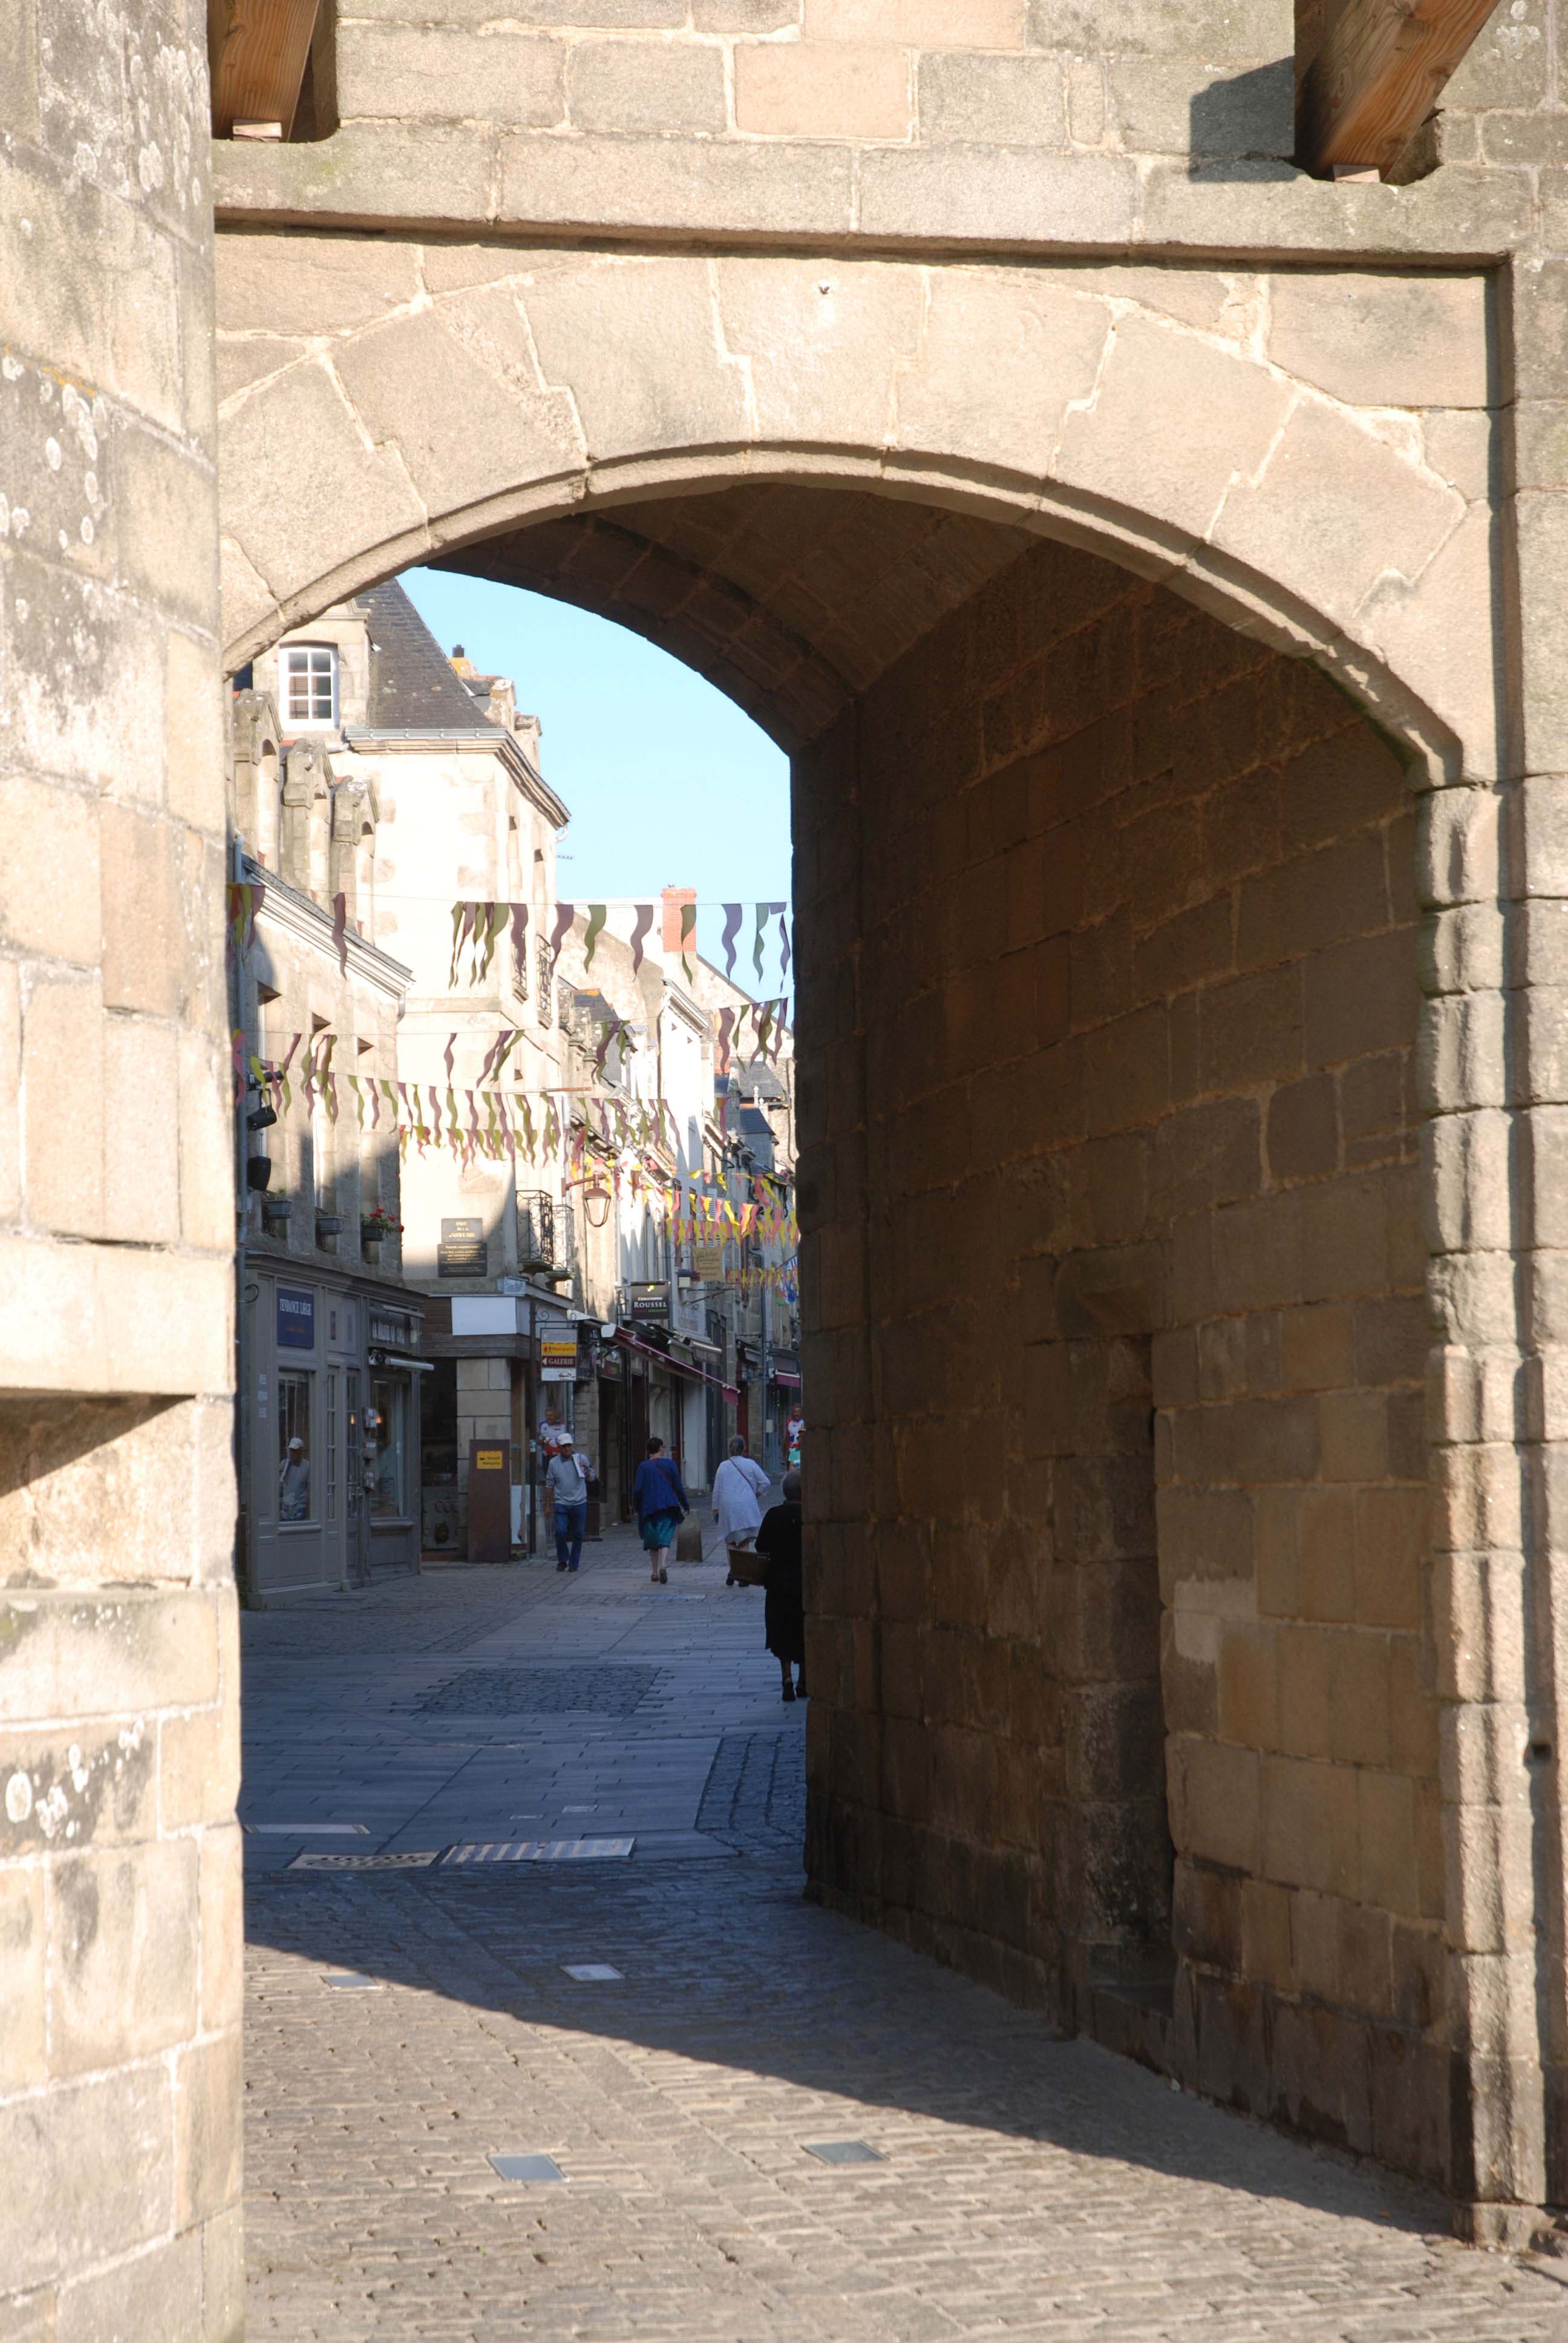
(672, 898)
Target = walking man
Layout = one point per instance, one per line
(661, 1503)
(567, 1490)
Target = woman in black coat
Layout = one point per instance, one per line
(778, 1543)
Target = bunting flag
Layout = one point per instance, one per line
(565, 914)
(687, 936)
(731, 929)
(340, 930)
(640, 927)
(725, 1024)
(243, 902)
(764, 912)
(613, 1033)
(480, 925)
(783, 942)
(595, 918)
(462, 929)
(520, 946)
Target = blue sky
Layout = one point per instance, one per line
(668, 782)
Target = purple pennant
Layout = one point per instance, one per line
(520, 944)
(340, 930)
(731, 929)
(565, 914)
(783, 941)
(725, 1027)
(640, 927)
(446, 1054)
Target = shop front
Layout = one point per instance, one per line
(330, 1423)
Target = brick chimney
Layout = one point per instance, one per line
(672, 898)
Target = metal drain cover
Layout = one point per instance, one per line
(845, 2151)
(539, 1692)
(541, 1850)
(419, 1860)
(527, 2168)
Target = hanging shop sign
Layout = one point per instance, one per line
(650, 1301)
(557, 1351)
(462, 1252)
(295, 1320)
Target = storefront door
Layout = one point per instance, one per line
(357, 1558)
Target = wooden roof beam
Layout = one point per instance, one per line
(257, 53)
(1376, 78)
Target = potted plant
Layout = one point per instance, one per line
(376, 1224)
(327, 1224)
(276, 1211)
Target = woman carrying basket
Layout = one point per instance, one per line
(736, 1485)
(662, 1505)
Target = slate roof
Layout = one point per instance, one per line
(413, 685)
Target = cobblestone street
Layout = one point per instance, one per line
(1024, 2186)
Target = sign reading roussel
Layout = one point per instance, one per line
(295, 1319)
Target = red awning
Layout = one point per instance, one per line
(782, 1376)
(675, 1366)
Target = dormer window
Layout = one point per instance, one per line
(309, 685)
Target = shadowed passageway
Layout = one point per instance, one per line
(1029, 2185)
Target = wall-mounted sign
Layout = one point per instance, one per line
(295, 1320)
(489, 1460)
(650, 1300)
(463, 1251)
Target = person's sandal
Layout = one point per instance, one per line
(664, 1578)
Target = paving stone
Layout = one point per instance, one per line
(1029, 2187)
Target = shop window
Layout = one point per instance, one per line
(296, 1499)
(386, 1429)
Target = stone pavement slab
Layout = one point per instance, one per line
(1027, 2187)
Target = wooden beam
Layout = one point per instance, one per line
(259, 49)
(1378, 75)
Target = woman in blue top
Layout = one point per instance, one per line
(661, 1503)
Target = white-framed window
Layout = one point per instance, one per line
(310, 679)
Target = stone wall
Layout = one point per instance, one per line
(119, 1857)
(968, 87)
(1123, 1637)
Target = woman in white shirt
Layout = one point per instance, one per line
(737, 1485)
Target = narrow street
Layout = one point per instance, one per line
(1022, 2186)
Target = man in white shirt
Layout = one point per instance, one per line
(565, 1488)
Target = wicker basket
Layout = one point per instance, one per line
(747, 1566)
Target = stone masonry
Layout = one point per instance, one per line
(785, 330)
(119, 1861)
(1131, 1551)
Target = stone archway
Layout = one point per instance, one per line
(1236, 438)
(781, 469)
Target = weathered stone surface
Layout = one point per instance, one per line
(840, 89)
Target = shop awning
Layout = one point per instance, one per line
(675, 1366)
(788, 1377)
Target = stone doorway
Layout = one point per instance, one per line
(1123, 1671)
